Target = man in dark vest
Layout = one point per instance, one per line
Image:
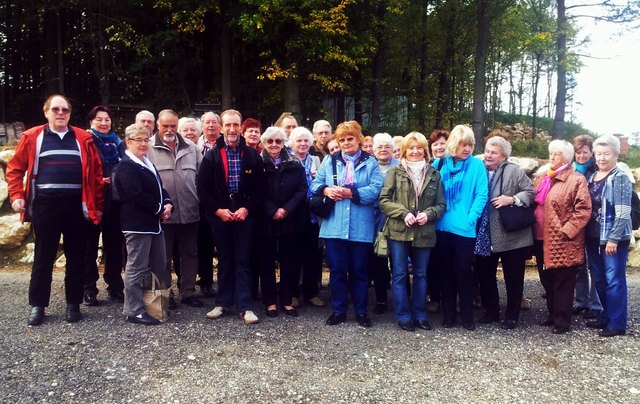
(63, 190)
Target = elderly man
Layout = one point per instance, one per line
(321, 132)
(177, 162)
(288, 123)
(146, 119)
(210, 131)
(230, 183)
(62, 191)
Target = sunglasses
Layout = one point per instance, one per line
(272, 141)
(58, 110)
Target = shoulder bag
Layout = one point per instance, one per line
(515, 217)
(321, 205)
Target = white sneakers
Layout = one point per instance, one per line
(248, 316)
(217, 312)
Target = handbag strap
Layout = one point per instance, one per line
(154, 281)
(335, 170)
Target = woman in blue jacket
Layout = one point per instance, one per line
(466, 191)
(349, 230)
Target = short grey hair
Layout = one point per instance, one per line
(382, 138)
(608, 141)
(564, 147)
(319, 123)
(299, 132)
(134, 129)
(144, 112)
(274, 132)
(212, 113)
(502, 143)
(185, 120)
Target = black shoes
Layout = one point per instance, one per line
(208, 291)
(422, 324)
(611, 333)
(335, 319)
(90, 299)
(448, 324)
(406, 325)
(591, 314)
(172, 303)
(579, 310)
(363, 320)
(271, 313)
(36, 317)
(546, 323)
(380, 308)
(470, 326)
(192, 301)
(290, 312)
(489, 318)
(560, 329)
(509, 324)
(143, 318)
(596, 324)
(116, 296)
(73, 313)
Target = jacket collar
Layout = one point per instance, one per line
(220, 143)
(180, 142)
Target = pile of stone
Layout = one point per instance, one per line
(519, 131)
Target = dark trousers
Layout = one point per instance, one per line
(254, 263)
(233, 241)
(434, 277)
(185, 237)
(457, 277)
(50, 219)
(559, 285)
(513, 264)
(311, 261)
(381, 276)
(205, 253)
(112, 246)
(286, 250)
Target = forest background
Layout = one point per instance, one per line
(393, 65)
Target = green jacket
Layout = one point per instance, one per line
(398, 198)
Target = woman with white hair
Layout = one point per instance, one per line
(608, 235)
(466, 187)
(564, 208)
(508, 186)
(280, 223)
(300, 142)
(379, 266)
(190, 128)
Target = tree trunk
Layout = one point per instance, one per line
(479, 81)
(534, 96)
(225, 55)
(444, 99)
(422, 85)
(98, 46)
(557, 132)
(292, 96)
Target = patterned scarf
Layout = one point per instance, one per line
(417, 171)
(483, 238)
(349, 174)
(545, 185)
(452, 177)
(106, 142)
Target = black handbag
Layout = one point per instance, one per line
(321, 205)
(515, 217)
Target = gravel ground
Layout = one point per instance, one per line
(192, 359)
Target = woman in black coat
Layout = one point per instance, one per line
(280, 223)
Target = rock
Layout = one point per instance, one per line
(6, 155)
(636, 175)
(528, 165)
(633, 260)
(12, 231)
(4, 190)
(26, 256)
(61, 262)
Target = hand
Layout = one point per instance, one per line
(240, 214)
(279, 215)
(610, 248)
(106, 180)
(18, 205)
(346, 193)
(333, 192)
(166, 212)
(225, 215)
(422, 219)
(410, 219)
(502, 201)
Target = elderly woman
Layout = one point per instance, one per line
(281, 223)
(250, 130)
(397, 145)
(300, 142)
(465, 186)
(379, 266)
(348, 231)
(508, 186)
(110, 149)
(586, 301)
(563, 210)
(367, 144)
(412, 198)
(332, 145)
(145, 203)
(437, 143)
(608, 235)
(190, 129)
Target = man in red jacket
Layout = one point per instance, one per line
(63, 190)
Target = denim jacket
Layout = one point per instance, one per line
(615, 214)
(351, 219)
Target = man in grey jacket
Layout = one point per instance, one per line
(177, 162)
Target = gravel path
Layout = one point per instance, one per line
(191, 359)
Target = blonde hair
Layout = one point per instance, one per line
(459, 134)
(422, 142)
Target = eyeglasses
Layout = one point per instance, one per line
(57, 110)
(383, 147)
(140, 140)
(271, 141)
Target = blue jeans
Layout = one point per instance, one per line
(400, 250)
(586, 293)
(611, 282)
(348, 263)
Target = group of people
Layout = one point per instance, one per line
(174, 188)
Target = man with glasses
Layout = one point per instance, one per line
(62, 192)
(230, 183)
(321, 132)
